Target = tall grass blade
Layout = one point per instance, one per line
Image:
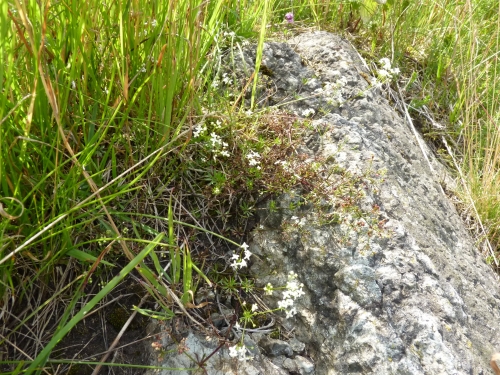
(43, 355)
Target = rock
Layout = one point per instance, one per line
(394, 286)
(275, 348)
(419, 300)
(305, 366)
(296, 345)
(182, 358)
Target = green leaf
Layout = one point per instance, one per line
(82, 256)
(58, 336)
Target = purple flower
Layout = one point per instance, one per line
(289, 17)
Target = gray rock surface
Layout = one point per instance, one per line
(417, 300)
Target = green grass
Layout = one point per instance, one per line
(99, 154)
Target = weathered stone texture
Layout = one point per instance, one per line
(420, 300)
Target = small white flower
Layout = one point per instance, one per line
(268, 289)
(383, 74)
(285, 303)
(253, 158)
(215, 139)
(200, 129)
(255, 307)
(233, 351)
(154, 23)
(385, 62)
(248, 254)
(226, 79)
(238, 263)
(239, 352)
(244, 246)
(293, 290)
(291, 312)
(308, 112)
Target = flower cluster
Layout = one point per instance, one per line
(308, 112)
(333, 90)
(293, 290)
(240, 352)
(199, 130)
(217, 146)
(387, 73)
(238, 261)
(226, 80)
(253, 159)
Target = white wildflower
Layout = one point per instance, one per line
(239, 352)
(255, 307)
(387, 72)
(308, 112)
(237, 262)
(291, 312)
(268, 289)
(226, 79)
(248, 254)
(253, 158)
(383, 74)
(386, 63)
(200, 129)
(293, 290)
(215, 140)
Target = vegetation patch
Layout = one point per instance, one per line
(130, 156)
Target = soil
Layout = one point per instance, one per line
(90, 338)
